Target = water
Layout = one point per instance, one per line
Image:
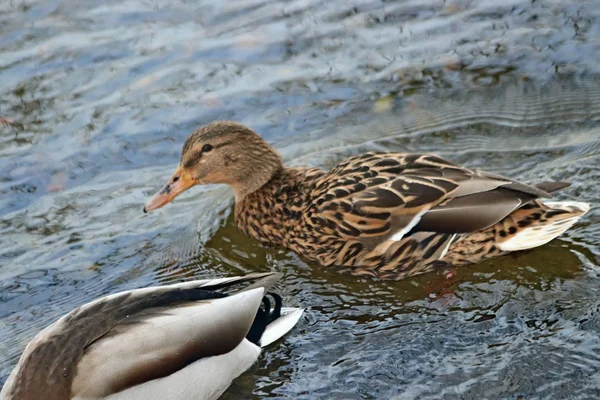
(103, 93)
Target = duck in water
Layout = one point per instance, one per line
(387, 215)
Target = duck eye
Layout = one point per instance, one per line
(206, 148)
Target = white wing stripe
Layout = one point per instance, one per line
(400, 234)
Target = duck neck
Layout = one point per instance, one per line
(274, 213)
(254, 178)
(261, 214)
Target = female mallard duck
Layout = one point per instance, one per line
(389, 215)
(183, 341)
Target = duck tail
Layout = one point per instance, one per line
(277, 328)
(272, 323)
(539, 223)
(551, 187)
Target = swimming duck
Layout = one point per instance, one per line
(181, 342)
(387, 215)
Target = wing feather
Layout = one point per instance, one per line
(378, 197)
(70, 338)
(163, 341)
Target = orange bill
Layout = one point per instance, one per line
(179, 183)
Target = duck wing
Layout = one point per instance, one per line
(112, 344)
(377, 197)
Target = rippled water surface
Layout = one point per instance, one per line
(98, 96)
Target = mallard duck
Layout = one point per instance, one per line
(182, 341)
(388, 215)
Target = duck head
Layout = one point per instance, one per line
(222, 152)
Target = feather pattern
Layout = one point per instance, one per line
(389, 215)
(147, 343)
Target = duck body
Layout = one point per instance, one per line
(394, 215)
(386, 215)
(181, 341)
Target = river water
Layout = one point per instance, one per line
(99, 96)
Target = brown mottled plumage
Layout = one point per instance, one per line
(389, 215)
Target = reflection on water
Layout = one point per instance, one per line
(101, 96)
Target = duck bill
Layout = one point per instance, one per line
(179, 183)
